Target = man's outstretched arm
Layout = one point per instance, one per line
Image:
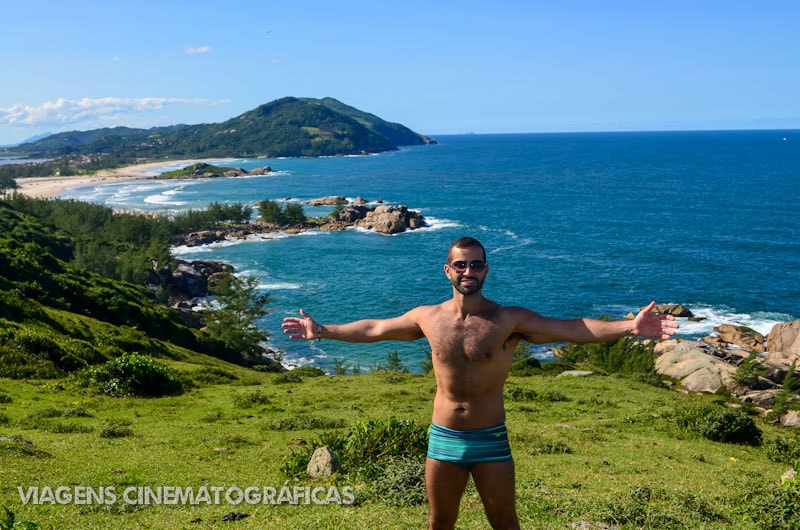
(646, 324)
(404, 328)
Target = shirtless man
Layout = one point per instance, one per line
(472, 342)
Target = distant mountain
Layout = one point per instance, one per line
(27, 140)
(287, 127)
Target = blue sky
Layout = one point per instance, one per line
(439, 67)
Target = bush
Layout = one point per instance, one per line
(718, 423)
(526, 367)
(135, 375)
(292, 376)
(245, 401)
(749, 371)
(627, 356)
(309, 371)
(783, 450)
(768, 506)
(368, 447)
(400, 482)
(116, 429)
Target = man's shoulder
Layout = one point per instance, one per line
(512, 312)
(428, 309)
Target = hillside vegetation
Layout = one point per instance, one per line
(73, 294)
(102, 386)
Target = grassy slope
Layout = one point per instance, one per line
(577, 459)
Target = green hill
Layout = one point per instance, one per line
(287, 127)
(58, 317)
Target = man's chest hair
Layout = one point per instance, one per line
(474, 339)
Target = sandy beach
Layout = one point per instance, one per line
(48, 187)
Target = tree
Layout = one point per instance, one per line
(294, 214)
(270, 211)
(233, 313)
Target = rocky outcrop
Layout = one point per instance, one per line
(690, 364)
(711, 363)
(675, 310)
(784, 342)
(391, 220)
(201, 237)
(188, 280)
(742, 337)
(327, 201)
(204, 170)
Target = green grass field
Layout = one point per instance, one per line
(590, 449)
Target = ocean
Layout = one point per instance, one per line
(574, 224)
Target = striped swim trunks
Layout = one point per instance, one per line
(464, 448)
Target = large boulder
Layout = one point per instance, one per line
(741, 336)
(391, 220)
(328, 201)
(783, 343)
(689, 363)
(675, 310)
(323, 463)
(352, 213)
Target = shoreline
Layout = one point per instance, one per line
(52, 187)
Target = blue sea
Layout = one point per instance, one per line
(574, 225)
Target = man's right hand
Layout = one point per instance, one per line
(305, 328)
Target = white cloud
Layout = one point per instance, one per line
(72, 111)
(198, 49)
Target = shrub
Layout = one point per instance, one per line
(626, 356)
(116, 429)
(211, 375)
(309, 371)
(400, 482)
(135, 375)
(368, 447)
(288, 377)
(393, 364)
(516, 393)
(770, 506)
(748, 372)
(718, 423)
(783, 450)
(68, 428)
(526, 366)
(245, 401)
(211, 417)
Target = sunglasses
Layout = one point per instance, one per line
(461, 265)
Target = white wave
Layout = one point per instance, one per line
(162, 199)
(184, 251)
(279, 286)
(760, 321)
(521, 243)
(434, 223)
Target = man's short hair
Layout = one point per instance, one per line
(465, 242)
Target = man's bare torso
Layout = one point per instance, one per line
(471, 359)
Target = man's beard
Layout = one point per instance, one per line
(471, 289)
